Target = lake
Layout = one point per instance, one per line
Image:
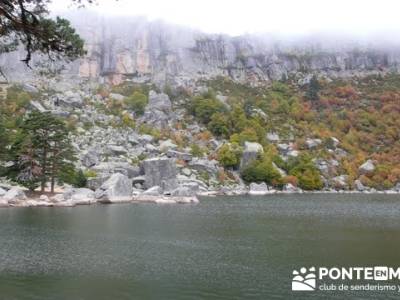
(222, 248)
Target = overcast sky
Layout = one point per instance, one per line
(363, 17)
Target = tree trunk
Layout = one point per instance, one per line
(43, 183)
(52, 183)
(53, 173)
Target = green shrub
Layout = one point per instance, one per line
(307, 174)
(136, 102)
(90, 174)
(128, 121)
(262, 170)
(204, 108)
(196, 150)
(229, 155)
(69, 175)
(219, 125)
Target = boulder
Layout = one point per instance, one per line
(334, 142)
(35, 105)
(273, 137)
(367, 167)
(145, 139)
(204, 165)
(290, 188)
(322, 165)
(29, 88)
(236, 190)
(90, 158)
(117, 167)
(258, 189)
(186, 171)
(160, 171)
(293, 153)
(116, 150)
(284, 148)
(179, 155)
(153, 191)
(185, 191)
(95, 182)
(57, 198)
(250, 153)
(133, 139)
(281, 171)
(158, 110)
(118, 188)
(2, 192)
(136, 192)
(69, 98)
(359, 185)
(214, 144)
(3, 202)
(44, 198)
(80, 196)
(117, 97)
(313, 143)
(167, 145)
(67, 203)
(340, 182)
(15, 195)
(151, 148)
(159, 101)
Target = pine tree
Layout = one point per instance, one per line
(27, 23)
(41, 152)
(313, 89)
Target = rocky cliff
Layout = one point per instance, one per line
(135, 49)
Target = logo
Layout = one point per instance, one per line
(374, 278)
(305, 280)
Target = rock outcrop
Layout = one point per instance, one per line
(250, 153)
(121, 48)
(259, 189)
(118, 188)
(367, 167)
(160, 172)
(158, 110)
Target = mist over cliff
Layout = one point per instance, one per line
(133, 48)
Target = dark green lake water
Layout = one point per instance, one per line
(223, 248)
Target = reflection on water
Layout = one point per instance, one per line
(223, 248)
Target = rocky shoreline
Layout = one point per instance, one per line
(16, 196)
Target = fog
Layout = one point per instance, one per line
(283, 17)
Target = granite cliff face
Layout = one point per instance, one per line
(135, 49)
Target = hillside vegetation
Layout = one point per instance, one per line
(313, 136)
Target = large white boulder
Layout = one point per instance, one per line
(80, 196)
(153, 191)
(313, 143)
(258, 189)
(290, 188)
(359, 186)
(118, 188)
(250, 153)
(15, 195)
(367, 167)
(160, 171)
(340, 182)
